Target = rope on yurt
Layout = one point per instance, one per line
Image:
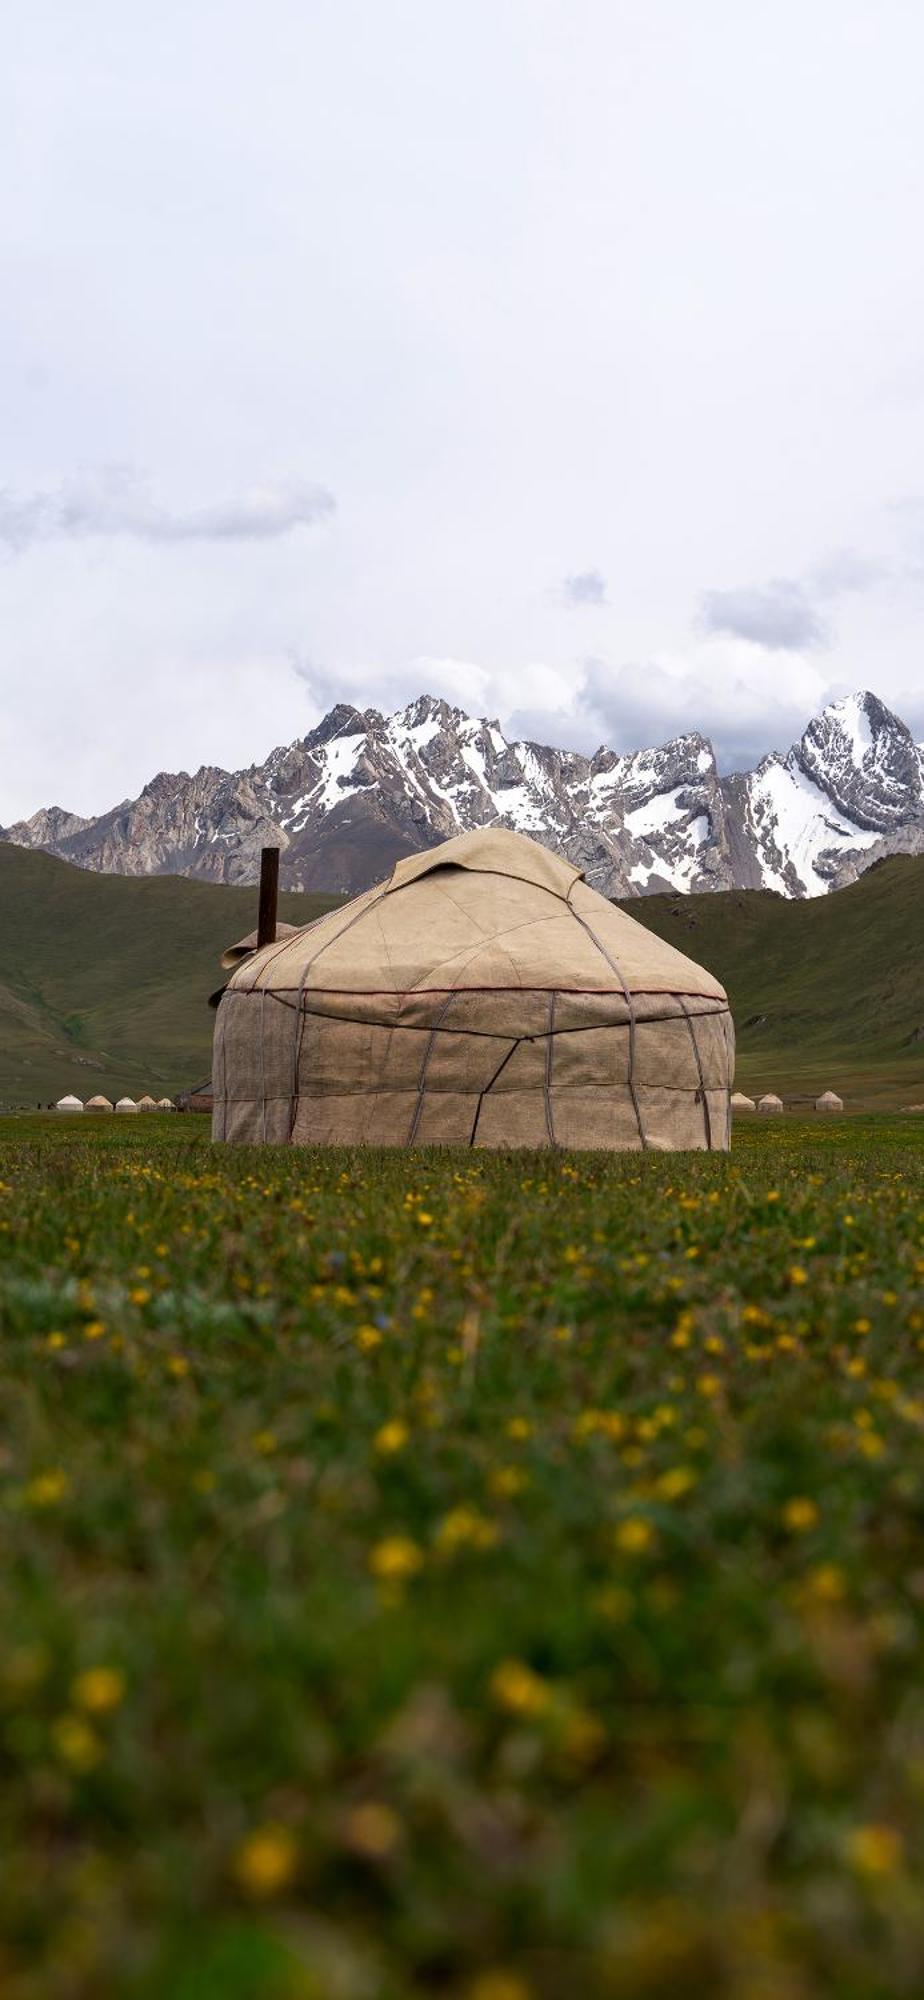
(615, 967)
(707, 1118)
(428, 1051)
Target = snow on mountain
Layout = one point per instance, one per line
(362, 789)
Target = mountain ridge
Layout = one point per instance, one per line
(362, 789)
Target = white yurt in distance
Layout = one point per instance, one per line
(771, 1106)
(98, 1104)
(147, 1104)
(69, 1104)
(165, 1104)
(126, 1104)
(829, 1101)
(741, 1103)
(482, 996)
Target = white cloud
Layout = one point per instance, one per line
(116, 500)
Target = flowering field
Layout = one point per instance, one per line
(494, 1578)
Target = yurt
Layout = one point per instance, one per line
(126, 1104)
(147, 1104)
(741, 1103)
(98, 1104)
(829, 1101)
(771, 1106)
(69, 1104)
(165, 1104)
(482, 996)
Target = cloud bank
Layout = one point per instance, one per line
(116, 500)
(587, 587)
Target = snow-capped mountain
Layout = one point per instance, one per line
(362, 789)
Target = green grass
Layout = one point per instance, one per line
(104, 979)
(455, 1575)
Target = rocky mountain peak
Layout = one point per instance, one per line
(362, 789)
(866, 759)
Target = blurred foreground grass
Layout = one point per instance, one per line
(493, 1577)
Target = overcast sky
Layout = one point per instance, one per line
(561, 357)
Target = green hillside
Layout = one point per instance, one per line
(104, 979)
(827, 994)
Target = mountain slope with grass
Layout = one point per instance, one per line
(826, 994)
(104, 979)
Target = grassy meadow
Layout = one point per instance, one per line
(494, 1577)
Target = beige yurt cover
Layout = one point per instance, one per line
(147, 1104)
(98, 1104)
(771, 1105)
(165, 1104)
(741, 1103)
(69, 1104)
(482, 996)
(126, 1104)
(829, 1101)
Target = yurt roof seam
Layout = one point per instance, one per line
(299, 1018)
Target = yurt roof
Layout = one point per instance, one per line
(233, 953)
(69, 1103)
(488, 910)
(126, 1104)
(98, 1104)
(829, 1097)
(740, 1102)
(165, 1104)
(147, 1103)
(770, 1097)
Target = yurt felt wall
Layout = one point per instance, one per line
(482, 996)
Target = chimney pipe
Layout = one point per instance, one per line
(269, 896)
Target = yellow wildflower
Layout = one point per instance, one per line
(464, 1527)
(391, 1437)
(516, 1688)
(99, 1690)
(367, 1338)
(634, 1534)
(799, 1515)
(674, 1484)
(499, 1986)
(395, 1559)
(874, 1850)
(76, 1743)
(519, 1429)
(94, 1329)
(265, 1861)
(46, 1489)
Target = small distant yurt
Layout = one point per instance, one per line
(165, 1104)
(98, 1104)
(829, 1101)
(741, 1103)
(69, 1104)
(147, 1104)
(771, 1106)
(126, 1104)
(482, 996)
